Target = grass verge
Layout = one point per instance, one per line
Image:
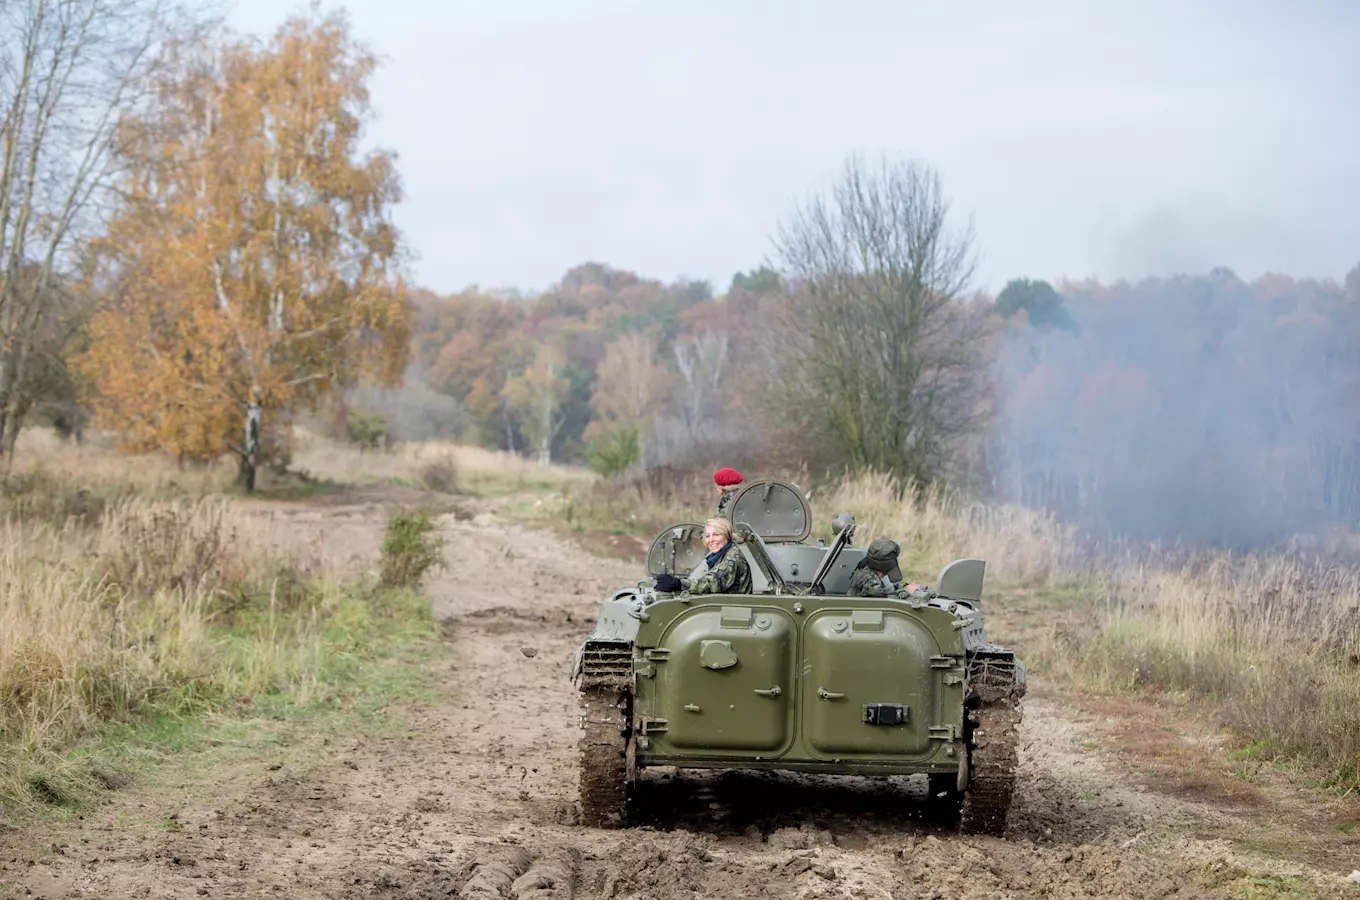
(161, 619)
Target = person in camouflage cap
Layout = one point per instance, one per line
(878, 575)
(728, 572)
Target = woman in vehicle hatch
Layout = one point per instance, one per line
(727, 572)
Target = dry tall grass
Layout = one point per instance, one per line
(93, 473)
(437, 465)
(95, 467)
(1021, 546)
(161, 608)
(1272, 642)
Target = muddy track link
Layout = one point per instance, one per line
(606, 709)
(993, 712)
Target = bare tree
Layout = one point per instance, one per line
(880, 347)
(535, 397)
(701, 360)
(68, 68)
(630, 381)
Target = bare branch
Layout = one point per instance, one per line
(880, 351)
(78, 64)
(315, 376)
(224, 304)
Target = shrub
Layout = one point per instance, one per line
(410, 548)
(613, 452)
(440, 474)
(368, 430)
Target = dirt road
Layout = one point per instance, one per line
(476, 798)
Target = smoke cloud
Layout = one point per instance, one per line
(1202, 411)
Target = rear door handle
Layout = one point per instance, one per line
(772, 692)
(828, 695)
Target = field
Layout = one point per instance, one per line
(207, 694)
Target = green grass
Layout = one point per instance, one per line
(292, 486)
(371, 656)
(1261, 748)
(1272, 887)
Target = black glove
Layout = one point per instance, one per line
(668, 583)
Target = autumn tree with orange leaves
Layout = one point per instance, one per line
(252, 259)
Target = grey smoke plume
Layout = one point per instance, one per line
(1203, 410)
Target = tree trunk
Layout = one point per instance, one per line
(250, 453)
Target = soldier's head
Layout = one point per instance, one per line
(717, 533)
(727, 480)
(881, 557)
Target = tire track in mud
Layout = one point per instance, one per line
(476, 797)
(731, 835)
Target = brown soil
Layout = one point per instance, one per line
(476, 797)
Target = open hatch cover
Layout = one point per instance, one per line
(775, 510)
(677, 550)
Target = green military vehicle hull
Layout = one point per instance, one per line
(799, 678)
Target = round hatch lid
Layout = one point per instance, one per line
(677, 550)
(775, 510)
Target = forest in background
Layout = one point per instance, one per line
(196, 255)
(1203, 408)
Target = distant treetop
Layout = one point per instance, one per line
(1043, 306)
(758, 281)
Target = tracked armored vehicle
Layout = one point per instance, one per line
(796, 675)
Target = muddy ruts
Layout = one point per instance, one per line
(993, 713)
(494, 872)
(605, 714)
(516, 873)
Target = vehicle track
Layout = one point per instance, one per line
(477, 798)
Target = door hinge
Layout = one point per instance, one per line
(653, 726)
(944, 732)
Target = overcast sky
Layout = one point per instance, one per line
(1084, 138)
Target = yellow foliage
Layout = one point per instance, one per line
(630, 384)
(535, 398)
(251, 254)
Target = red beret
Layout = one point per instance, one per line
(726, 477)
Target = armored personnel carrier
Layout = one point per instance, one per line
(797, 675)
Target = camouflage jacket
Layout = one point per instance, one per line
(722, 512)
(864, 582)
(729, 575)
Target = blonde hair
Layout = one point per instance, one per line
(720, 525)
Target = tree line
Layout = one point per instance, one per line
(1199, 409)
(196, 255)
